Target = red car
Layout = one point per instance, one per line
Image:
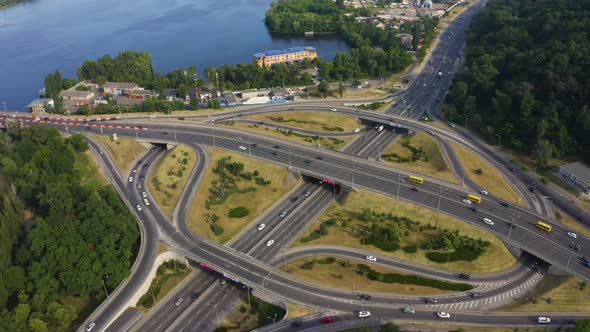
(327, 320)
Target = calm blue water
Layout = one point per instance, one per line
(40, 36)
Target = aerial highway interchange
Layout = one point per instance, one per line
(257, 267)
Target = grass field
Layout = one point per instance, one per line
(334, 143)
(436, 166)
(170, 176)
(316, 121)
(296, 311)
(88, 168)
(574, 225)
(239, 319)
(490, 179)
(496, 258)
(567, 294)
(426, 327)
(363, 93)
(167, 283)
(250, 314)
(256, 202)
(335, 275)
(124, 151)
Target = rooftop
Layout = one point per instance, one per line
(42, 101)
(284, 51)
(579, 170)
(120, 85)
(74, 93)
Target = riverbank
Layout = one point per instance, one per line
(4, 4)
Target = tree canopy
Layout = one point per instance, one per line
(527, 77)
(77, 236)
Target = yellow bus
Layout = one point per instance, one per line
(474, 198)
(416, 179)
(543, 226)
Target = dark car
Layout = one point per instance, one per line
(504, 204)
(511, 225)
(414, 189)
(364, 297)
(146, 165)
(275, 153)
(296, 323)
(276, 147)
(294, 198)
(142, 177)
(532, 189)
(319, 158)
(475, 294)
(464, 276)
(164, 133)
(307, 161)
(194, 296)
(473, 208)
(430, 300)
(254, 145)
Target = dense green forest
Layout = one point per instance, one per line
(61, 236)
(527, 77)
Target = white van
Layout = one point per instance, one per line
(544, 320)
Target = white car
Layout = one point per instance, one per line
(307, 193)
(269, 243)
(146, 202)
(90, 326)
(242, 147)
(261, 227)
(283, 214)
(443, 314)
(144, 194)
(483, 192)
(138, 207)
(135, 170)
(371, 258)
(356, 130)
(131, 179)
(466, 201)
(572, 235)
(334, 110)
(488, 221)
(544, 320)
(364, 314)
(178, 301)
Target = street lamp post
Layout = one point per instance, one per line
(105, 286)
(499, 139)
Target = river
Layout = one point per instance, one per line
(40, 36)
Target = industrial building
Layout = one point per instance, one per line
(288, 55)
(577, 175)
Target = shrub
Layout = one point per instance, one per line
(416, 280)
(410, 249)
(238, 212)
(478, 171)
(308, 265)
(461, 254)
(216, 229)
(243, 309)
(261, 181)
(327, 260)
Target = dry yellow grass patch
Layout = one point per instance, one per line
(335, 275)
(238, 321)
(490, 179)
(436, 166)
(296, 311)
(334, 143)
(256, 202)
(363, 93)
(567, 295)
(124, 151)
(316, 121)
(496, 258)
(574, 225)
(166, 185)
